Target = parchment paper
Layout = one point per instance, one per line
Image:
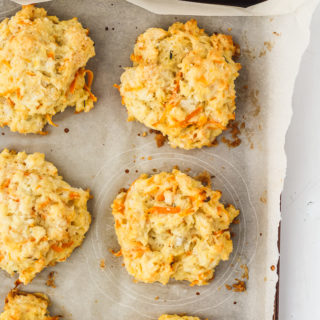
(101, 145)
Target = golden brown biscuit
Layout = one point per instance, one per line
(26, 306)
(43, 219)
(176, 317)
(171, 226)
(42, 69)
(182, 84)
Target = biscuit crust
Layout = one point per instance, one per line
(182, 84)
(169, 225)
(42, 69)
(26, 306)
(43, 219)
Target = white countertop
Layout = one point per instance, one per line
(300, 228)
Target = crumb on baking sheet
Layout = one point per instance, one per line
(276, 33)
(102, 263)
(160, 139)
(156, 298)
(234, 131)
(239, 286)
(145, 133)
(51, 280)
(263, 197)
(245, 274)
(273, 268)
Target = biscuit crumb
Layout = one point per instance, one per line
(273, 268)
(263, 197)
(156, 298)
(149, 158)
(102, 264)
(145, 133)
(234, 131)
(160, 139)
(239, 286)
(245, 274)
(51, 280)
(228, 287)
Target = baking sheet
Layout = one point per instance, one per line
(101, 145)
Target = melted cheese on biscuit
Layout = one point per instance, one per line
(171, 226)
(42, 62)
(43, 219)
(182, 84)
